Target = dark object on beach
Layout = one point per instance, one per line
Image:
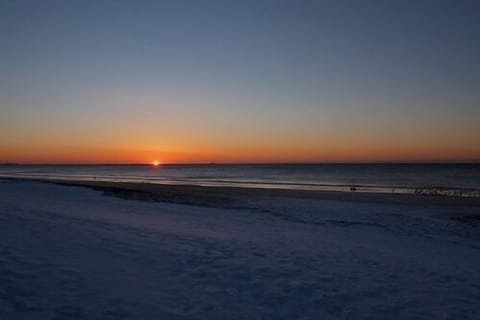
(353, 188)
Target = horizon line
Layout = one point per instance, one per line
(147, 164)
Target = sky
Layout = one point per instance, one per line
(239, 81)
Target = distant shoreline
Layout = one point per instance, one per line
(373, 163)
(240, 197)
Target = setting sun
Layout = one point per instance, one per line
(239, 147)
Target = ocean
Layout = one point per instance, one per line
(427, 179)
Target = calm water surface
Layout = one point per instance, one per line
(446, 179)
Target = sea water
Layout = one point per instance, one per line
(429, 179)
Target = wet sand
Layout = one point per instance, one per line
(240, 197)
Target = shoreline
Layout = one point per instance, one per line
(240, 197)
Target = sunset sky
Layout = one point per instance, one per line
(239, 81)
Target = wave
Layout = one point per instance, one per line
(253, 183)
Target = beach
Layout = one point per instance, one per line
(116, 251)
(239, 160)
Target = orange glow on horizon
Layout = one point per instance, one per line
(323, 149)
(238, 154)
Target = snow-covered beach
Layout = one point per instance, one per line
(70, 252)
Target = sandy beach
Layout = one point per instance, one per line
(239, 160)
(133, 251)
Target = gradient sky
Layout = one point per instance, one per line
(239, 81)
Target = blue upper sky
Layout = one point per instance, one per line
(302, 80)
